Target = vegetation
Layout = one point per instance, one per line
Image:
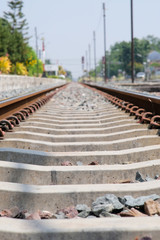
(17, 25)
(5, 65)
(68, 75)
(16, 56)
(119, 58)
(16, 17)
(61, 71)
(19, 69)
(5, 37)
(33, 64)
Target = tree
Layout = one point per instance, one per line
(18, 25)
(5, 37)
(121, 55)
(34, 65)
(141, 50)
(11, 43)
(48, 61)
(154, 42)
(17, 48)
(68, 74)
(61, 71)
(119, 58)
(16, 17)
(5, 65)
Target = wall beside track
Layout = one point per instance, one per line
(10, 82)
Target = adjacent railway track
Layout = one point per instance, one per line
(53, 156)
(17, 109)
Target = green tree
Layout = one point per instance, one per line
(5, 37)
(17, 48)
(120, 57)
(16, 17)
(68, 74)
(154, 42)
(18, 25)
(11, 43)
(48, 61)
(34, 65)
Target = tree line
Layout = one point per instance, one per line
(119, 57)
(16, 56)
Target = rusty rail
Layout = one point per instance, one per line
(15, 110)
(143, 107)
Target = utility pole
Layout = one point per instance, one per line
(94, 40)
(82, 61)
(36, 48)
(89, 59)
(105, 64)
(132, 44)
(86, 63)
(43, 57)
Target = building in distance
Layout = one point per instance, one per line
(51, 69)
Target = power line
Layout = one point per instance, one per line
(92, 42)
(99, 22)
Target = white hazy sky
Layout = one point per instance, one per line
(68, 25)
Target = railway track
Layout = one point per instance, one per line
(63, 156)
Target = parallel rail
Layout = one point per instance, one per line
(145, 107)
(149, 103)
(16, 109)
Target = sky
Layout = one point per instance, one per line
(67, 26)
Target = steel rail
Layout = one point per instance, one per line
(143, 106)
(17, 109)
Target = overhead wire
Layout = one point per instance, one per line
(71, 62)
(96, 30)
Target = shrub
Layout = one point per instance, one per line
(33, 64)
(5, 65)
(20, 69)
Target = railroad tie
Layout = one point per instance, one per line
(80, 166)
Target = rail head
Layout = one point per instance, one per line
(17, 109)
(146, 108)
(27, 97)
(149, 103)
